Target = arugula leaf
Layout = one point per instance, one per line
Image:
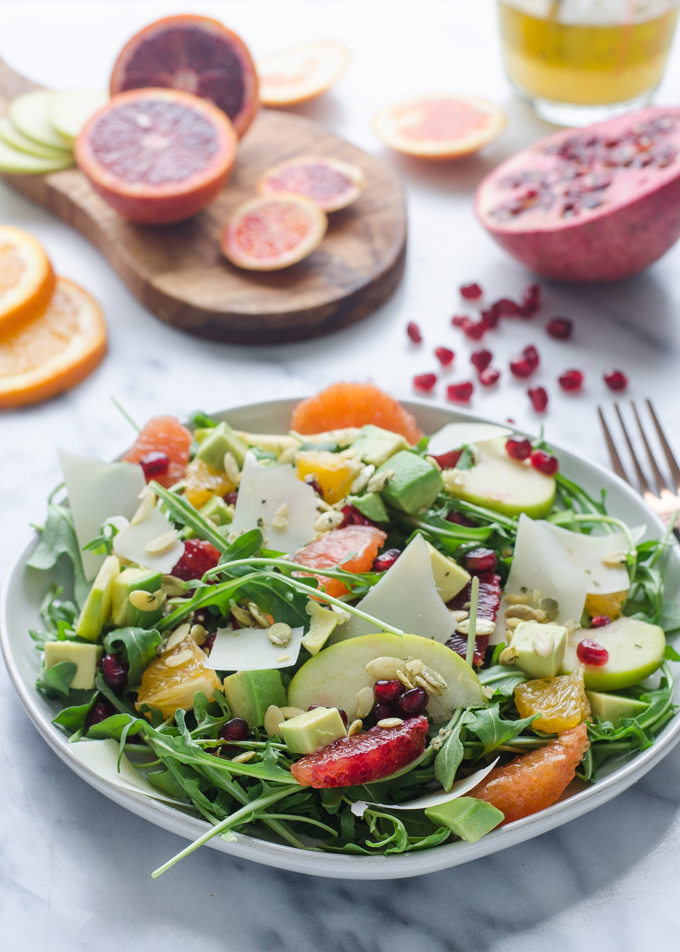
(670, 618)
(114, 726)
(72, 719)
(279, 600)
(450, 754)
(56, 681)
(198, 420)
(138, 647)
(493, 730)
(165, 781)
(56, 539)
(242, 547)
(182, 511)
(502, 678)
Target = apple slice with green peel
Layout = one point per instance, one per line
(334, 677)
(15, 162)
(501, 483)
(69, 111)
(636, 650)
(613, 707)
(11, 135)
(30, 113)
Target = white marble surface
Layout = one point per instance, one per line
(74, 868)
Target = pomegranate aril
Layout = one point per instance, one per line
(460, 392)
(98, 713)
(600, 621)
(471, 292)
(424, 382)
(444, 356)
(352, 517)
(387, 692)
(571, 380)
(449, 460)
(475, 331)
(518, 449)
(231, 498)
(413, 332)
(616, 380)
(235, 729)
(505, 307)
(114, 672)
(544, 462)
(199, 556)
(490, 318)
(381, 710)
(413, 702)
(460, 520)
(559, 328)
(590, 652)
(481, 359)
(531, 300)
(480, 560)
(521, 367)
(489, 376)
(385, 560)
(154, 464)
(315, 485)
(538, 397)
(460, 320)
(209, 641)
(531, 355)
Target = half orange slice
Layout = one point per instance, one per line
(300, 73)
(26, 277)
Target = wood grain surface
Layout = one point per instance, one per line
(179, 273)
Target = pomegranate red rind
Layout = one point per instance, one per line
(488, 603)
(593, 204)
(192, 54)
(163, 435)
(329, 183)
(363, 758)
(354, 404)
(273, 232)
(301, 73)
(157, 156)
(535, 780)
(333, 548)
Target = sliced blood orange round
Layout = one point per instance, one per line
(157, 155)
(354, 404)
(439, 127)
(55, 350)
(352, 549)
(300, 73)
(329, 183)
(273, 232)
(26, 277)
(163, 434)
(196, 55)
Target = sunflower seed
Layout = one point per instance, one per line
(364, 702)
(614, 560)
(148, 497)
(178, 635)
(362, 479)
(280, 634)
(143, 601)
(389, 723)
(244, 757)
(272, 718)
(484, 626)
(198, 633)
(258, 615)
(174, 661)
(384, 668)
(162, 543)
(543, 644)
(355, 727)
(328, 520)
(231, 468)
(289, 712)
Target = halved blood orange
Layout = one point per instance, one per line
(163, 434)
(26, 277)
(440, 126)
(301, 73)
(193, 54)
(54, 351)
(157, 155)
(354, 404)
(273, 232)
(329, 183)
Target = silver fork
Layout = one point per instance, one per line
(665, 501)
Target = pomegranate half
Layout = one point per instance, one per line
(593, 204)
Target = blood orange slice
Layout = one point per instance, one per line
(26, 277)
(157, 155)
(329, 183)
(269, 233)
(440, 126)
(301, 73)
(353, 549)
(353, 404)
(163, 434)
(193, 54)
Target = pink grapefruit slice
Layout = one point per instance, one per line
(272, 232)
(301, 73)
(329, 183)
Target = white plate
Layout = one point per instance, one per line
(22, 592)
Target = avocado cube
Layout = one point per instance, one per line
(467, 817)
(415, 484)
(371, 506)
(250, 693)
(219, 441)
(84, 657)
(217, 511)
(375, 445)
(123, 613)
(309, 732)
(540, 648)
(613, 707)
(97, 608)
(449, 577)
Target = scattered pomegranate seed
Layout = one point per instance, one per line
(382, 710)
(531, 355)
(490, 318)
(413, 702)
(539, 398)
(114, 672)
(199, 556)
(544, 462)
(235, 729)
(505, 307)
(154, 464)
(352, 517)
(616, 380)
(571, 380)
(444, 356)
(489, 376)
(424, 382)
(518, 449)
(521, 367)
(207, 645)
(475, 331)
(385, 560)
(448, 460)
(460, 519)
(460, 392)
(600, 621)
(531, 300)
(413, 332)
(481, 359)
(98, 713)
(480, 560)
(510, 420)
(559, 328)
(460, 320)
(232, 498)
(388, 691)
(589, 652)
(471, 292)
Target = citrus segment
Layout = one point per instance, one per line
(440, 126)
(301, 73)
(203, 482)
(352, 549)
(353, 404)
(561, 701)
(26, 277)
(609, 605)
(269, 233)
(193, 54)
(173, 680)
(157, 155)
(535, 780)
(333, 472)
(329, 183)
(17, 140)
(54, 351)
(30, 113)
(163, 434)
(70, 110)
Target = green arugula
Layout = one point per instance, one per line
(56, 539)
(137, 646)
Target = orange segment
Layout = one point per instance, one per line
(203, 482)
(26, 277)
(561, 702)
(54, 351)
(609, 605)
(333, 549)
(353, 404)
(163, 434)
(333, 472)
(169, 686)
(270, 233)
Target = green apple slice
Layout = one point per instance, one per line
(334, 677)
(15, 162)
(636, 650)
(70, 110)
(30, 113)
(11, 135)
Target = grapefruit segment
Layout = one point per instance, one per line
(157, 155)
(334, 548)
(301, 73)
(193, 54)
(439, 126)
(329, 183)
(344, 405)
(26, 277)
(163, 434)
(270, 233)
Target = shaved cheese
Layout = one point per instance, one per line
(96, 491)
(249, 649)
(101, 757)
(405, 597)
(133, 541)
(453, 436)
(262, 492)
(586, 553)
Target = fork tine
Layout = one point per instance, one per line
(667, 452)
(660, 481)
(644, 485)
(617, 465)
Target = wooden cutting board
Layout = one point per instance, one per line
(179, 273)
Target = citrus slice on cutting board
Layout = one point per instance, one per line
(440, 126)
(269, 233)
(30, 113)
(54, 351)
(329, 183)
(70, 110)
(301, 73)
(353, 404)
(26, 277)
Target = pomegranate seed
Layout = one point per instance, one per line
(544, 462)
(571, 380)
(199, 556)
(539, 398)
(115, 672)
(444, 356)
(489, 376)
(460, 520)
(460, 320)
(98, 713)
(413, 332)
(490, 318)
(343, 716)
(449, 460)
(209, 641)
(387, 692)
(315, 485)
(352, 517)
(480, 560)
(616, 380)
(460, 392)
(385, 560)
(600, 621)
(475, 331)
(518, 449)
(154, 464)
(381, 711)
(531, 300)
(531, 355)
(521, 367)
(231, 498)
(481, 359)
(589, 652)
(505, 307)
(471, 292)
(235, 729)
(424, 382)
(559, 328)
(412, 702)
